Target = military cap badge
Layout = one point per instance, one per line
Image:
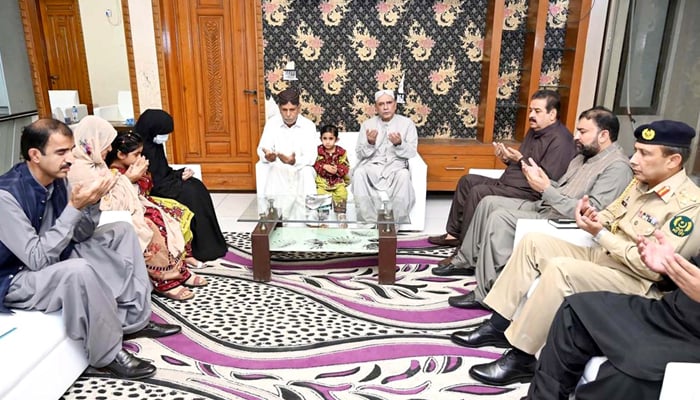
(648, 134)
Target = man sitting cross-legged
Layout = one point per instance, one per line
(601, 170)
(661, 197)
(52, 257)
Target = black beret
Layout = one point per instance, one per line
(665, 132)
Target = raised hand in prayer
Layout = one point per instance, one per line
(587, 216)
(506, 154)
(536, 177)
(85, 194)
(655, 253)
(660, 257)
(270, 155)
(137, 169)
(287, 159)
(371, 135)
(394, 138)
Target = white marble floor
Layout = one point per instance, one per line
(230, 205)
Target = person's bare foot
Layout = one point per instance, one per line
(193, 263)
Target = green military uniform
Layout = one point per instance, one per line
(672, 206)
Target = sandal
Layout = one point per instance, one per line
(195, 281)
(179, 293)
(197, 265)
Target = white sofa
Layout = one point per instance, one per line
(416, 165)
(123, 110)
(40, 360)
(62, 102)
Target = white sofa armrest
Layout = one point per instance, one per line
(419, 179)
(487, 172)
(679, 382)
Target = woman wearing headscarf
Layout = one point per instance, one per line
(155, 126)
(163, 249)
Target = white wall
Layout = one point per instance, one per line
(105, 49)
(680, 87)
(594, 49)
(144, 43)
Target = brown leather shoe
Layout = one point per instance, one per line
(442, 240)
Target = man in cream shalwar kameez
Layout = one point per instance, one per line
(385, 144)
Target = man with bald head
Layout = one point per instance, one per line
(385, 144)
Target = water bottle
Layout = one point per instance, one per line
(75, 113)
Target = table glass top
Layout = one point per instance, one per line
(319, 210)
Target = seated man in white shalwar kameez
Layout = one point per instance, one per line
(385, 144)
(288, 146)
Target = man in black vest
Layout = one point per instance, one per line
(53, 257)
(639, 336)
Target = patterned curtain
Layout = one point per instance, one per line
(345, 50)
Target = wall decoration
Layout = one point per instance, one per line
(345, 50)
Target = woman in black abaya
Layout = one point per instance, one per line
(208, 242)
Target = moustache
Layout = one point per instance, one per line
(532, 120)
(66, 165)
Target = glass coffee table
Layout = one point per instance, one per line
(314, 224)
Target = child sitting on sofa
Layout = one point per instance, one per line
(332, 168)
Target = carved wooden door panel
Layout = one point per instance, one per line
(212, 70)
(66, 61)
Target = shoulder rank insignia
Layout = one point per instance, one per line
(685, 198)
(681, 226)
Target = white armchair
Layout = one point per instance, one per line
(416, 165)
(62, 102)
(123, 110)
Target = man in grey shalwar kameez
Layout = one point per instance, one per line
(385, 144)
(53, 257)
(601, 170)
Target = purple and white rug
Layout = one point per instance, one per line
(322, 328)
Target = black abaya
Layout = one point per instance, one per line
(208, 242)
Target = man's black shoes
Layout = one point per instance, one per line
(128, 366)
(452, 270)
(513, 366)
(484, 335)
(467, 301)
(154, 330)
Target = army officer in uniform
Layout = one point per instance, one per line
(661, 197)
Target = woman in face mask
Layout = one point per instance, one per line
(208, 243)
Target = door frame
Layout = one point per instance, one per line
(163, 70)
(36, 52)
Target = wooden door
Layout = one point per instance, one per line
(211, 68)
(65, 51)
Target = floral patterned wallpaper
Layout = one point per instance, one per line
(345, 50)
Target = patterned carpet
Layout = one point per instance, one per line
(321, 329)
